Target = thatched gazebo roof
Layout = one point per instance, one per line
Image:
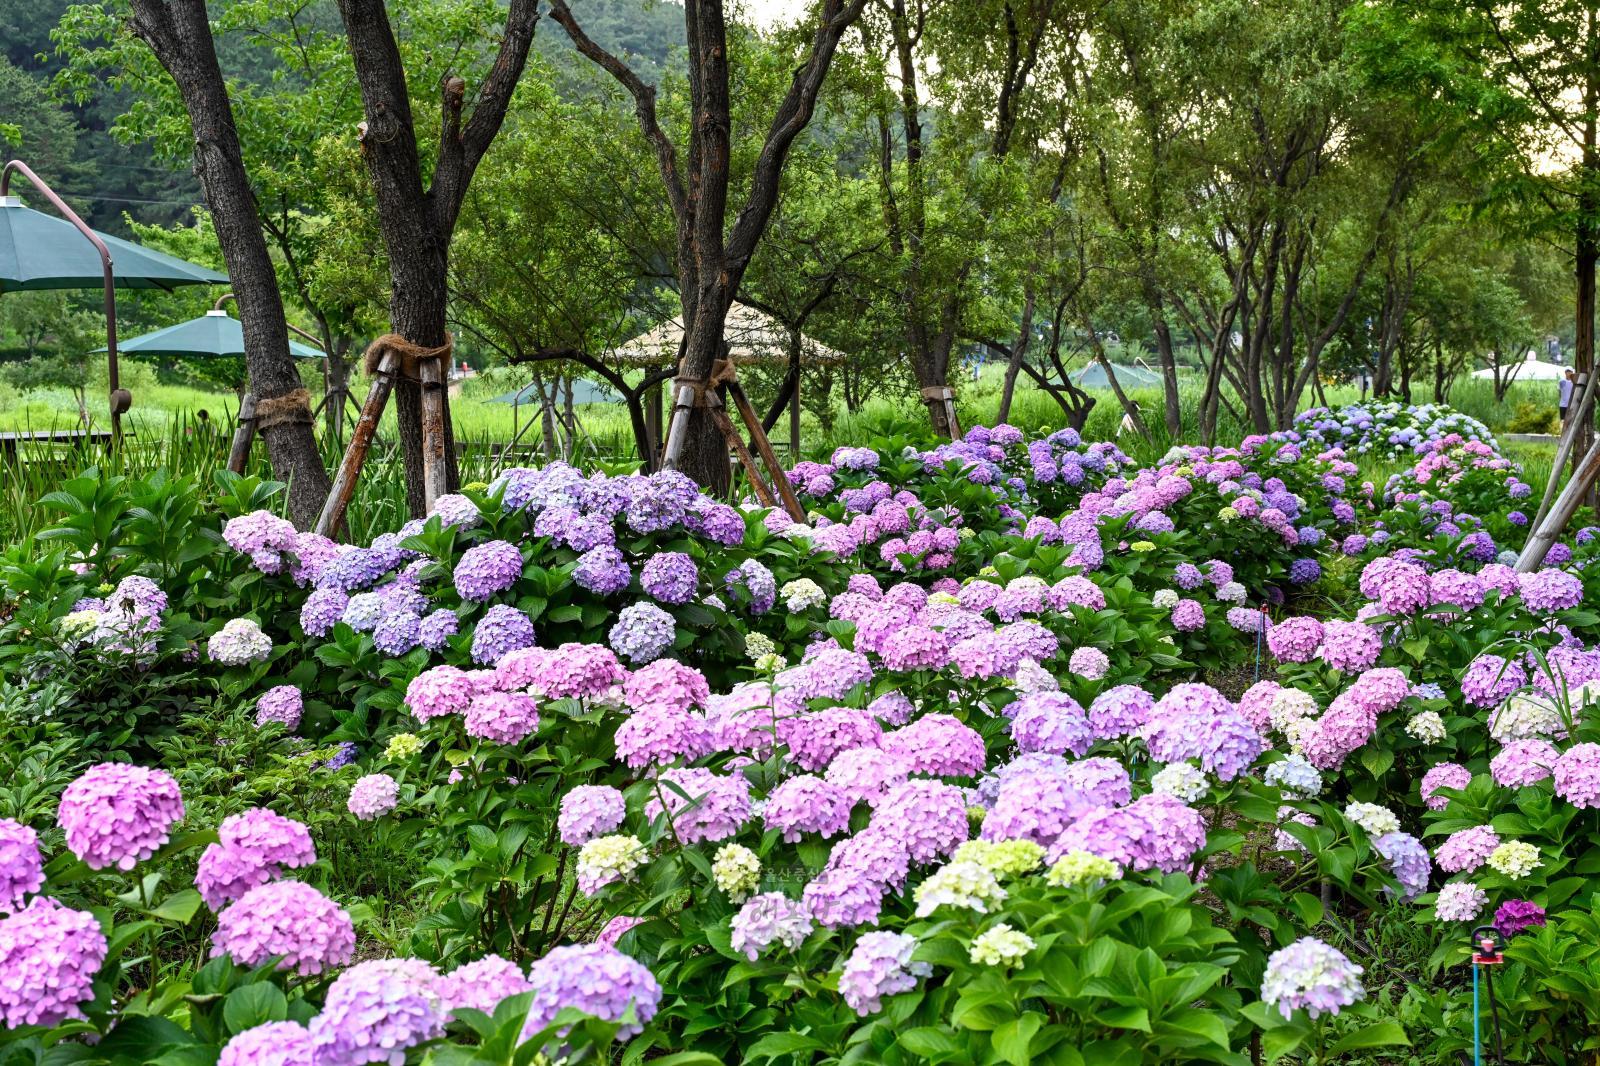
(753, 337)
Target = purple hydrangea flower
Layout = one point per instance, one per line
(270, 1044)
(879, 965)
(597, 980)
(252, 848)
(49, 956)
(376, 1010)
(1310, 975)
(502, 629)
(281, 703)
(21, 868)
(286, 918)
(642, 632)
(117, 815)
(670, 577)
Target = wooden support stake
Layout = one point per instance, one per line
(677, 431)
(780, 482)
(435, 468)
(1569, 436)
(244, 435)
(1566, 505)
(719, 415)
(344, 483)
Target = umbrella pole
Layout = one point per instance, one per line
(120, 400)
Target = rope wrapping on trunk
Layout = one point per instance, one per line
(292, 406)
(723, 371)
(407, 355)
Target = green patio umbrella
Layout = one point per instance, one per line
(213, 333)
(38, 251)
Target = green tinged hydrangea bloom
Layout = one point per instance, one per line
(1001, 946)
(1081, 868)
(737, 871)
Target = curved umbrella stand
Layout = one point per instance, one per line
(121, 399)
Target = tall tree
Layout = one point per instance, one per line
(179, 33)
(711, 254)
(418, 218)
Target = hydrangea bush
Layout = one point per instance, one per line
(1013, 750)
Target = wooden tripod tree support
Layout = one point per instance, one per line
(1566, 505)
(688, 395)
(946, 396)
(388, 357)
(244, 435)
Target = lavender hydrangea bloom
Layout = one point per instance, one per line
(323, 609)
(1577, 775)
(879, 965)
(376, 1010)
(287, 918)
(481, 985)
(436, 628)
(1310, 975)
(770, 918)
(21, 867)
(596, 980)
(807, 804)
(49, 956)
(397, 633)
(502, 629)
(670, 577)
(1408, 862)
(116, 814)
(642, 632)
(602, 570)
(282, 704)
(589, 811)
(252, 848)
(271, 1044)
(701, 805)
(373, 795)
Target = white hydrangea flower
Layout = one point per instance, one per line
(1232, 592)
(737, 871)
(1515, 859)
(758, 644)
(1081, 868)
(1525, 716)
(1166, 599)
(1295, 776)
(1427, 727)
(959, 884)
(1031, 677)
(1000, 946)
(605, 860)
(1183, 780)
(802, 594)
(1374, 818)
(1291, 705)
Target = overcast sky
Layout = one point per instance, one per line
(765, 12)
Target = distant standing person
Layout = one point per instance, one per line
(1564, 399)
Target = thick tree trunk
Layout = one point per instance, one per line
(179, 34)
(417, 223)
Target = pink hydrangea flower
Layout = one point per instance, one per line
(117, 814)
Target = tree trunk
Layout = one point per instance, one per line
(179, 34)
(417, 223)
(1019, 352)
